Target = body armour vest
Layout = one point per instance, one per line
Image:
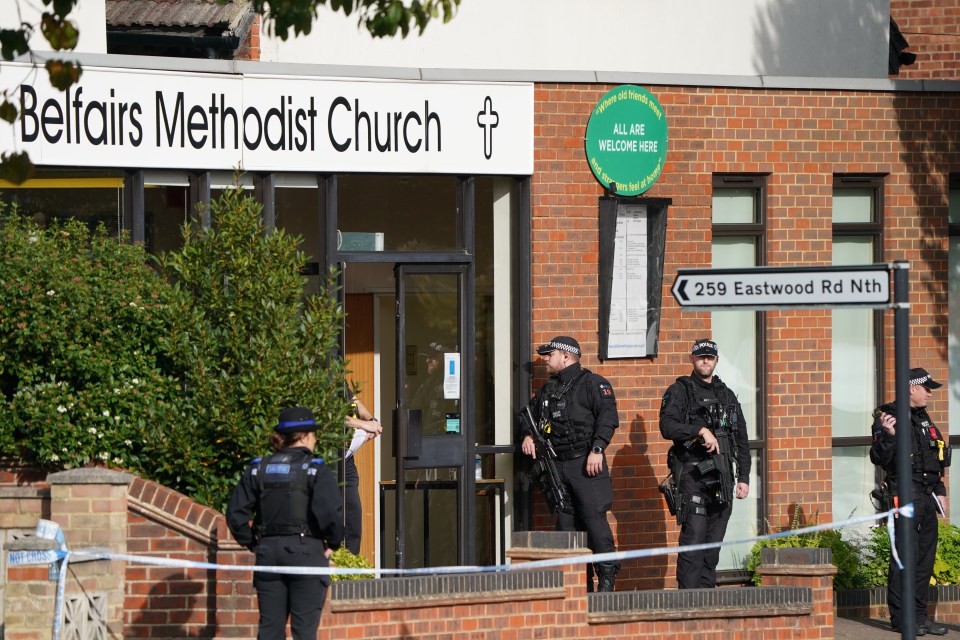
(701, 403)
(931, 452)
(570, 423)
(286, 482)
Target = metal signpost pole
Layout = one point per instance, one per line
(905, 523)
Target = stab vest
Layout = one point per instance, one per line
(570, 425)
(930, 453)
(286, 485)
(698, 402)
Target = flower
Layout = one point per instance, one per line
(61, 409)
(92, 430)
(51, 292)
(54, 457)
(106, 412)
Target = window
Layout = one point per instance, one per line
(953, 334)
(738, 206)
(855, 352)
(95, 197)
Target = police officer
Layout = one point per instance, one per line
(930, 457)
(689, 415)
(294, 504)
(579, 411)
(365, 427)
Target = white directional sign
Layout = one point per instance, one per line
(780, 287)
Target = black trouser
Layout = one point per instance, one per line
(698, 569)
(923, 551)
(299, 596)
(592, 497)
(352, 509)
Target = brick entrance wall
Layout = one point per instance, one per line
(800, 139)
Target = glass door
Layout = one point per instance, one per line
(434, 442)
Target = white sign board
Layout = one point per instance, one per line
(779, 287)
(628, 295)
(136, 118)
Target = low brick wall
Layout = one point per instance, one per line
(553, 603)
(125, 514)
(943, 603)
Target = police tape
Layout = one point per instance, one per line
(16, 558)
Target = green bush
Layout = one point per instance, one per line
(244, 342)
(946, 566)
(177, 375)
(845, 555)
(343, 559)
(81, 317)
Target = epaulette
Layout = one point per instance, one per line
(317, 461)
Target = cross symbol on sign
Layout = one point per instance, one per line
(488, 119)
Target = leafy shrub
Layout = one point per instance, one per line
(845, 555)
(244, 342)
(178, 376)
(946, 566)
(343, 559)
(80, 361)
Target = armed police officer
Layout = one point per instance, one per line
(577, 411)
(930, 456)
(286, 509)
(705, 422)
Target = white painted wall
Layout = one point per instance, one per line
(815, 38)
(89, 16)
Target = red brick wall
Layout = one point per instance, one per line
(932, 27)
(801, 139)
(164, 602)
(249, 48)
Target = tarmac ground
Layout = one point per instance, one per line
(876, 629)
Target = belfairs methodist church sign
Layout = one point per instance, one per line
(626, 141)
(146, 118)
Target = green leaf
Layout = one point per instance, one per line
(14, 42)
(63, 74)
(16, 167)
(8, 111)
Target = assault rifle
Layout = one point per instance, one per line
(544, 472)
(724, 427)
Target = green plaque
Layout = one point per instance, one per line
(626, 141)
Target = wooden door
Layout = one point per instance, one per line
(359, 344)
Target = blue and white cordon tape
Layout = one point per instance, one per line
(52, 531)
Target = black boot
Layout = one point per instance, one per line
(607, 572)
(590, 572)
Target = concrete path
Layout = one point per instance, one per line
(875, 629)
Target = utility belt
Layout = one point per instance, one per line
(577, 451)
(268, 531)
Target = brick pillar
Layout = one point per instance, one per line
(788, 567)
(528, 546)
(90, 505)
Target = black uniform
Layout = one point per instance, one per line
(294, 502)
(352, 507)
(930, 456)
(706, 515)
(581, 410)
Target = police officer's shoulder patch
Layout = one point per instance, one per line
(317, 461)
(606, 391)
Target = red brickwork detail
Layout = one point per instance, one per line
(800, 140)
(933, 31)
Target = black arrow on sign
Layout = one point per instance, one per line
(680, 287)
